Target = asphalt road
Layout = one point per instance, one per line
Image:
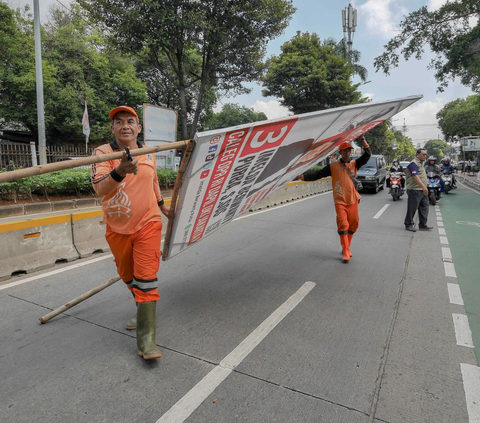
(259, 322)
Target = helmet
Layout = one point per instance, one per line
(396, 161)
(432, 158)
(446, 160)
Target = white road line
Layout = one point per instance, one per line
(439, 218)
(443, 240)
(192, 400)
(449, 270)
(441, 231)
(54, 272)
(471, 385)
(440, 223)
(462, 330)
(377, 216)
(446, 253)
(455, 294)
(279, 207)
(471, 189)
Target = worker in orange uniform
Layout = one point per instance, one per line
(131, 205)
(345, 195)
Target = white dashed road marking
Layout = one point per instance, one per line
(192, 400)
(455, 294)
(471, 384)
(462, 330)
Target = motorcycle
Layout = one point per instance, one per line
(448, 179)
(396, 185)
(433, 187)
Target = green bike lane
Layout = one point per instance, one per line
(461, 216)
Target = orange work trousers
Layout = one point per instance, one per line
(137, 257)
(347, 218)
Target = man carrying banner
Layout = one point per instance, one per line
(131, 205)
(345, 196)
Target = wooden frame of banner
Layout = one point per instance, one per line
(70, 164)
(176, 188)
(78, 300)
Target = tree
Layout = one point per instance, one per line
(353, 57)
(196, 45)
(307, 76)
(77, 66)
(448, 33)
(385, 140)
(232, 115)
(460, 118)
(436, 148)
(86, 69)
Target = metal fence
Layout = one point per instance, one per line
(26, 155)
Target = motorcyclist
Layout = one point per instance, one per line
(396, 167)
(448, 168)
(432, 167)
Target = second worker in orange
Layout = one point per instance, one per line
(345, 196)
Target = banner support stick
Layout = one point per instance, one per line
(173, 203)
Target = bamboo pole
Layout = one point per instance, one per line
(173, 201)
(70, 164)
(78, 300)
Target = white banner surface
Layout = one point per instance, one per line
(232, 169)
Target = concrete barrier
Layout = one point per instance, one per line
(35, 244)
(89, 233)
(294, 191)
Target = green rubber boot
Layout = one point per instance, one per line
(132, 323)
(146, 325)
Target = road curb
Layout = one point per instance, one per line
(475, 184)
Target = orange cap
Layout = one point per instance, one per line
(123, 109)
(345, 146)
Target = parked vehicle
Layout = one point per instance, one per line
(433, 186)
(396, 190)
(373, 173)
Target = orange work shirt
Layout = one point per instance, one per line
(344, 191)
(128, 203)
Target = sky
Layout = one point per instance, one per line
(377, 23)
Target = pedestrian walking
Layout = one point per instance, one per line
(417, 192)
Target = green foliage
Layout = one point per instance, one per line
(436, 148)
(195, 47)
(391, 143)
(307, 76)
(166, 178)
(449, 35)
(460, 118)
(353, 57)
(78, 66)
(70, 182)
(232, 115)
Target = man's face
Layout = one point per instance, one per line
(126, 128)
(422, 156)
(346, 154)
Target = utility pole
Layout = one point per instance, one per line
(349, 22)
(404, 128)
(42, 145)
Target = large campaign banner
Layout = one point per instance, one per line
(232, 169)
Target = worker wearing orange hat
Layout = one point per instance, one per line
(345, 195)
(131, 204)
